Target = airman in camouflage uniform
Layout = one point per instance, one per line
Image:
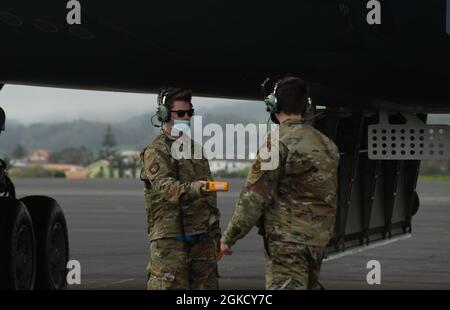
(183, 221)
(293, 205)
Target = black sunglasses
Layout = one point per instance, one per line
(182, 113)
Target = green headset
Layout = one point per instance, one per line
(272, 102)
(163, 110)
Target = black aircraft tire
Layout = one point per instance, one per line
(17, 246)
(416, 204)
(52, 242)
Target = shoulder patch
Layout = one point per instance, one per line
(255, 172)
(256, 166)
(154, 168)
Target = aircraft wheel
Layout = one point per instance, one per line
(416, 204)
(52, 242)
(17, 246)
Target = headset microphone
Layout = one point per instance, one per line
(153, 124)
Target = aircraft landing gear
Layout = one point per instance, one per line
(52, 242)
(34, 242)
(17, 243)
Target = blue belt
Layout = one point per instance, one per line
(190, 239)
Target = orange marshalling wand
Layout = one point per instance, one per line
(217, 186)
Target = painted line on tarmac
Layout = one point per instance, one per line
(360, 249)
(113, 283)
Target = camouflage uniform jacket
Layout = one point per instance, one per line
(169, 186)
(296, 202)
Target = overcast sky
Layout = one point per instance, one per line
(28, 104)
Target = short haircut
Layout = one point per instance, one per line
(179, 94)
(292, 95)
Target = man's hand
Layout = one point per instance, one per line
(224, 250)
(199, 188)
(203, 188)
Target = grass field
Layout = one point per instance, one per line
(435, 178)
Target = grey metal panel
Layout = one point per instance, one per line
(377, 198)
(411, 141)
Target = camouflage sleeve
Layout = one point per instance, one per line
(160, 171)
(255, 197)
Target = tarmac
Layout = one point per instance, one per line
(107, 235)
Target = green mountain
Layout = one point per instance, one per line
(134, 133)
(70, 134)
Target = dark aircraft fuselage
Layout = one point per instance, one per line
(227, 48)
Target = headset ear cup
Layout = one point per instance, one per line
(163, 114)
(158, 114)
(307, 106)
(271, 104)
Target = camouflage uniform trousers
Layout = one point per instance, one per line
(175, 265)
(293, 266)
